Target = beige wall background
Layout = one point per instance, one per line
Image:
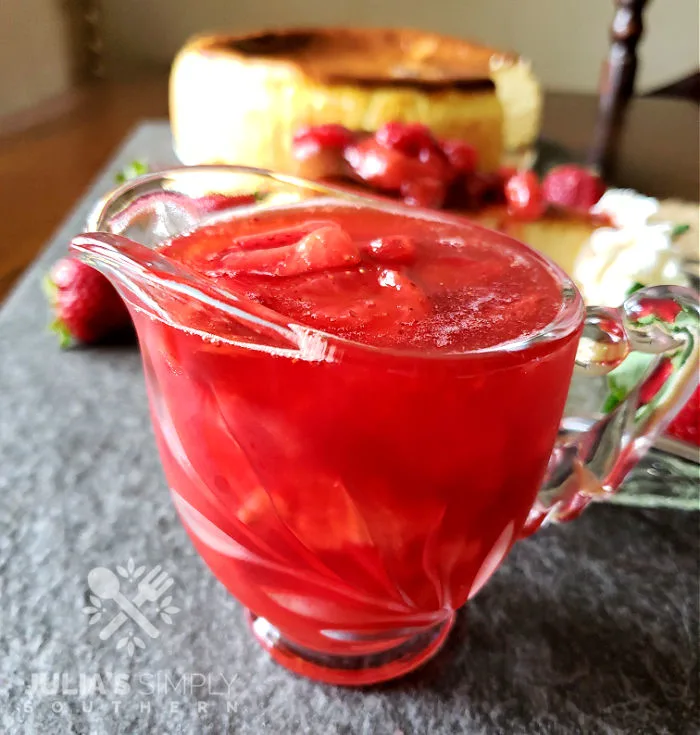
(566, 39)
(35, 60)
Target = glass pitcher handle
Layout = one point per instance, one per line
(647, 351)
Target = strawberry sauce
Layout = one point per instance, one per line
(356, 500)
(379, 278)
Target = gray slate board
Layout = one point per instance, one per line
(590, 628)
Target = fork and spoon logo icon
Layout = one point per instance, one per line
(106, 585)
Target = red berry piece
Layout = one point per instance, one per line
(462, 157)
(319, 150)
(424, 192)
(393, 249)
(524, 196)
(507, 172)
(278, 238)
(408, 138)
(572, 186)
(381, 167)
(434, 165)
(323, 136)
(86, 306)
(481, 189)
(686, 425)
(322, 249)
(653, 384)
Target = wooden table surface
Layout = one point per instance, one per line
(46, 166)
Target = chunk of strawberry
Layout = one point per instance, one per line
(408, 138)
(282, 236)
(524, 196)
(462, 157)
(482, 188)
(382, 167)
(393, 249)
(322, 137)
(211, 243)
(318, 150)
(572, 186)
(322, 249)
(424, 192)
(388, 169)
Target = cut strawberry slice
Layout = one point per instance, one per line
(283, 236)
(322, 249)
(208, 245)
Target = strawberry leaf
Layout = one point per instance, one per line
(134, 169)
(49, 288)
(65, 338)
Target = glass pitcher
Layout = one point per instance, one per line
(354, 498)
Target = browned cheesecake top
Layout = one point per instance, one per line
(367, 56)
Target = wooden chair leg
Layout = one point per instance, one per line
(617, 83)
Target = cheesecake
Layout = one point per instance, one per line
(239, 99)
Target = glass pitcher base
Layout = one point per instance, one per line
(351, 670)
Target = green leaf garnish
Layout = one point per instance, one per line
(679, 230)
(134, 169)
(634, 288)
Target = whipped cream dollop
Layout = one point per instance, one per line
(632, 251)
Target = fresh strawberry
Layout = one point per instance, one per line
(572, 186)
(524, 195)
(87, 307)
(686, 425)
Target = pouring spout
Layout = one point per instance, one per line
(152, 283)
